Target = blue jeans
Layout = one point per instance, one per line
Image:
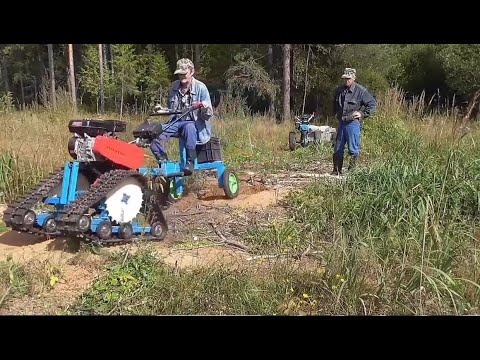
(348, 133)
(184, 128)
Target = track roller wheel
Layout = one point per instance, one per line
(84, 223)
(158, 230)
(50, 225)
(104, 230)
(29, 218)
(125, 231)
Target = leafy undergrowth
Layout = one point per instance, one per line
(32, 278)
(141, 284)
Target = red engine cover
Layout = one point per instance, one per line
(119, 152)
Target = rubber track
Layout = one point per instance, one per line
(68, 217)
(16, 211)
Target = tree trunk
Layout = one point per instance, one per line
(104, 51)
(111, 60)
(292, 97)
(5, 75)
(198, 51)
(52, 75)
(270, 72)
(176, 52)
(44, 88)
(72, 76)
(35, 91)
(184, 52)
(286, 81)
(102, 97)
(121, 103)
(23, 93)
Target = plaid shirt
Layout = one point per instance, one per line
(198, 92)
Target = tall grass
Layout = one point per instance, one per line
(404, 230)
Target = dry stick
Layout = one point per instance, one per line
(5, 295)
(297, 255)
(187, 214)
(125, 258)
(230, 242)
(195, 248)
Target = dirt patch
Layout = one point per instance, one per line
(253, 194)
(259, 200)
(23, 247)
(201, 256)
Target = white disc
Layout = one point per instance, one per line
(124, 201)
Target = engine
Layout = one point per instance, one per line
(95, 140)
(81, 149)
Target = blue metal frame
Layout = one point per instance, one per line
(68, 192)
(304, 127)
(137, 229)
(214, 165)
(169, 168)
(305, 131)
(166, 168)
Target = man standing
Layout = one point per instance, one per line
(352, 104)
(195, 128)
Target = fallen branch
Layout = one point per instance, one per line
(187, 214)
(5, 295)
(194, 247)
(297, 255)
(308, 175)
(226, 241)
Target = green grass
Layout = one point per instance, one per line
(3, 228)
(403, 229)
(141, 284)
(32, 278)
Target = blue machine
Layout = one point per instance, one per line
(97, 198)
(310, 133)
(302, 124)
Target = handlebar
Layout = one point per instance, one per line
(149, 130)
(298, 119)
(158, 110)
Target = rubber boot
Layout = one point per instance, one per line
(352, 163)
(161, 157)
(190, 163)
(337, 165)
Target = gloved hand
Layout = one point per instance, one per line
(159, 108)
(207, 108)
(143, 143)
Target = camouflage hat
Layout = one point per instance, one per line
(349, 73)
(183, 65)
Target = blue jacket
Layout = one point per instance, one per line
(201, 116)
(353, 99)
